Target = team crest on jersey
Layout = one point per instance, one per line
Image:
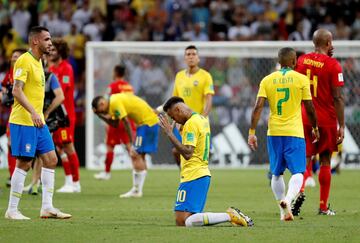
(340, 77)
(117, 114)
(190, 137)
(196, 83)
(27, 147)
(66, 79)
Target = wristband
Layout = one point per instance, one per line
(251, 131)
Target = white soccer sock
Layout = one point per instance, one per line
(68, 180)
(202, 219)
(278, 187)
(294, 187)
(139, 180)
(47, 179)
(17, 185)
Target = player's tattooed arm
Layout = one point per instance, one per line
(311, 114)
(23, 101)
(255, 116)
(128, 129)
(208, 105)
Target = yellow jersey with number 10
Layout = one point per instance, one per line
(196, 132)
(285, 89)
(193, 88)
(30, 71)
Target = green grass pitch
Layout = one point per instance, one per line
(99, 215)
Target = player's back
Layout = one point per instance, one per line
(285, 90)
(128, 104)
(324, 72)
(120, 86)
(196, 133)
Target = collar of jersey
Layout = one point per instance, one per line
(284, 70)
(33, 55)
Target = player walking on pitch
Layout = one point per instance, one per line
(29, 134)
(285, 90)
(326, 79)
(195, 174)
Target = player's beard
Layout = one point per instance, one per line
(44, 50)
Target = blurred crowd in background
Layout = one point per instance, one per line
(179, 20)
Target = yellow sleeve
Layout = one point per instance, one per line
(189, 134)
(175, 90)
(21, 70)
(306, 94)
(262, 91)
(117, 109)
(209, 85)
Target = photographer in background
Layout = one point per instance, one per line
(7, 99)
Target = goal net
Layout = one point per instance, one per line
(236, 68)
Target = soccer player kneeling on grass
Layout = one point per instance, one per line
(195, 174)
(285, 90)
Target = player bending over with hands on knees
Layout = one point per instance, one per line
(285, 90)
(195, 173)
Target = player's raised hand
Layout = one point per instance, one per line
(36, 118)
(252, 141)
(165, 124)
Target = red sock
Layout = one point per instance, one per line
(325, 182)
(307, 174)
(108, 161)
(11, 162)
(74, 163)
(66, 164)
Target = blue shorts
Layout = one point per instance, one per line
(146, 140)
(28, 141)
(286, 152)
(191, 195)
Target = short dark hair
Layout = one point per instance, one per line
(284, 55)
(172, 101)
(61, 47)
(191, 47)
(95, 101)
(119, 70)
(37, 30)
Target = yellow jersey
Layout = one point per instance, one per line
(128, 104)
(196, 132)
(285, 89)
(30, 71)
(193, 88)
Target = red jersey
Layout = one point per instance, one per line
(119, 86)
(8, 79)
(64, 72)
(324, 73)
